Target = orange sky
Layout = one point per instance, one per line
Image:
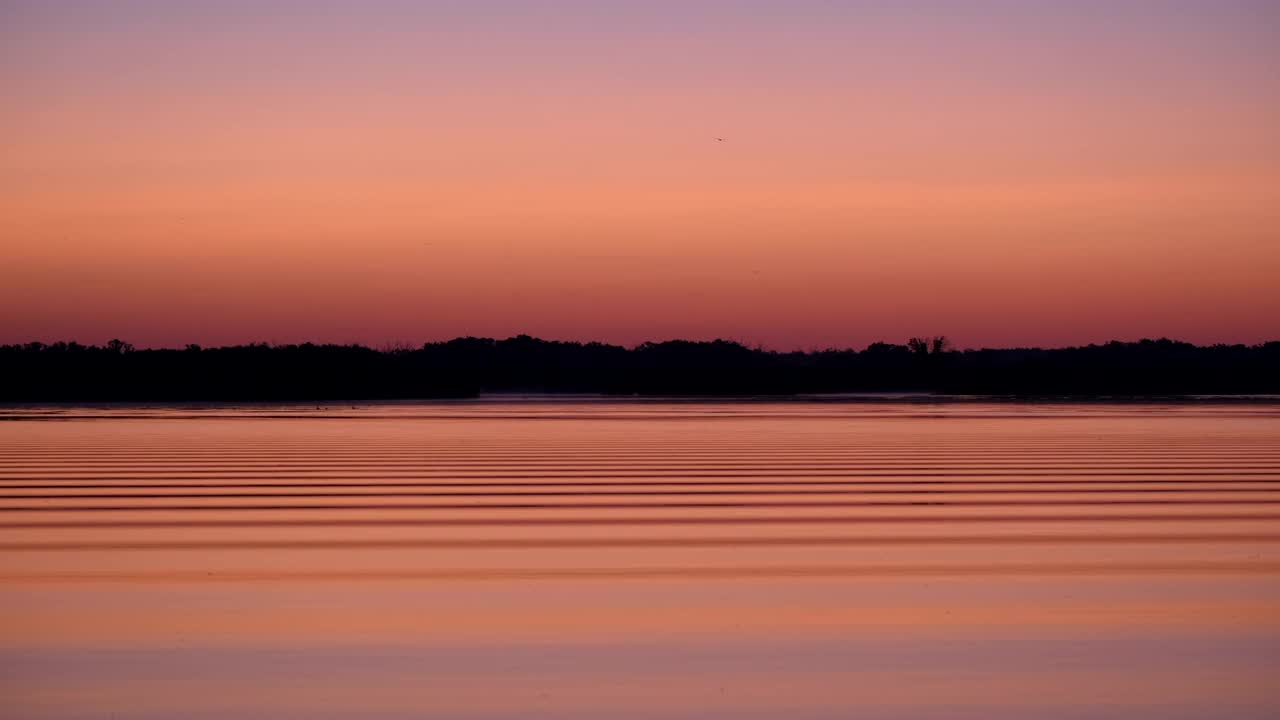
(1004, 173)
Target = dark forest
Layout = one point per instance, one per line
(464, 367)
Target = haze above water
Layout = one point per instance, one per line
(588, 559)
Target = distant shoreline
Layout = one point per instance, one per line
(534, 399)
(925, 370)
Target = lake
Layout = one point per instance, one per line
(583, 558)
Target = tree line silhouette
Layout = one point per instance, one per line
(464, 367)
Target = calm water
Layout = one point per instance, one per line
(641, 560)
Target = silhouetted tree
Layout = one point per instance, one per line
(929, 345)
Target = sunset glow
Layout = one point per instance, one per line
(1006, 173)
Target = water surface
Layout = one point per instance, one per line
(587, 559)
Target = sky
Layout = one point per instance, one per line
(795, 174)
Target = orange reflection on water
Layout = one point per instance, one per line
(591, 558)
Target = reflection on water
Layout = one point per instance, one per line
(593, 559)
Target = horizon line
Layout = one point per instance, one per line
(394, 346)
